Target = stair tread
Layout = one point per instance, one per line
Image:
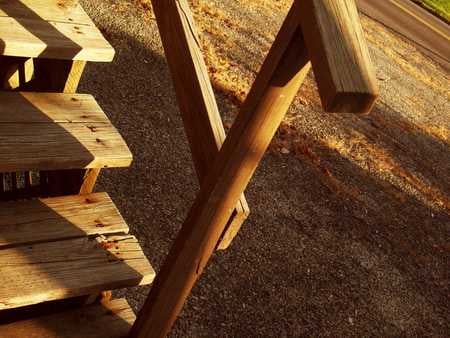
(51, 29)
(51, 131)
(53, 266)
(109, 320)
(48, 271)
(58, 218)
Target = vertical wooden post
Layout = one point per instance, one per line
(272, 93)
(195, 95)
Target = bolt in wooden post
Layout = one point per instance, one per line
(277, 84)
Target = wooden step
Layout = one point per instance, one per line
(53, 29)
(109, 320)
(66, 247)
(51, 131)
(58, 218)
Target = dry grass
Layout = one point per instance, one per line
(211, 22)
(215, 26)
(409, 62)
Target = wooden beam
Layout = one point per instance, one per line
(339, 55)
(282, 74)
(238, 217)
(195, 95)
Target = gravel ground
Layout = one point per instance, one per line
(350, 225)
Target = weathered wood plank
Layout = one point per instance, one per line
(58, 218)
(30, 143)
(339, 55)
(69, 11)
(282, 73)
(108, 320)
(36, 273)
(51, 29)
(64, 76)
(195, 95)
(42, 146)
(29, 107)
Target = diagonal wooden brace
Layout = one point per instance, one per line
(277, 84)
(195, 96)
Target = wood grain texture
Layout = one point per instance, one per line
(33, 143)
(108, 320)
(282, 73)
(35, 273)
(64, 76)
(50, 29)
(58, 218)
(195, 95)
(238, 217)
(339, 55)
(48, 10)
(32, 107)
(88, 181)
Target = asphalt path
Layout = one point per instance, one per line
(431, 34)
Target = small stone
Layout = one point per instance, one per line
(285, 151)
(383, 77)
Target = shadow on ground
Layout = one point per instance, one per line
(330, 249)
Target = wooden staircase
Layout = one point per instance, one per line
(61, 245)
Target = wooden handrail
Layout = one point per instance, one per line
(339, 55)
(328, 32)
(281, 75)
